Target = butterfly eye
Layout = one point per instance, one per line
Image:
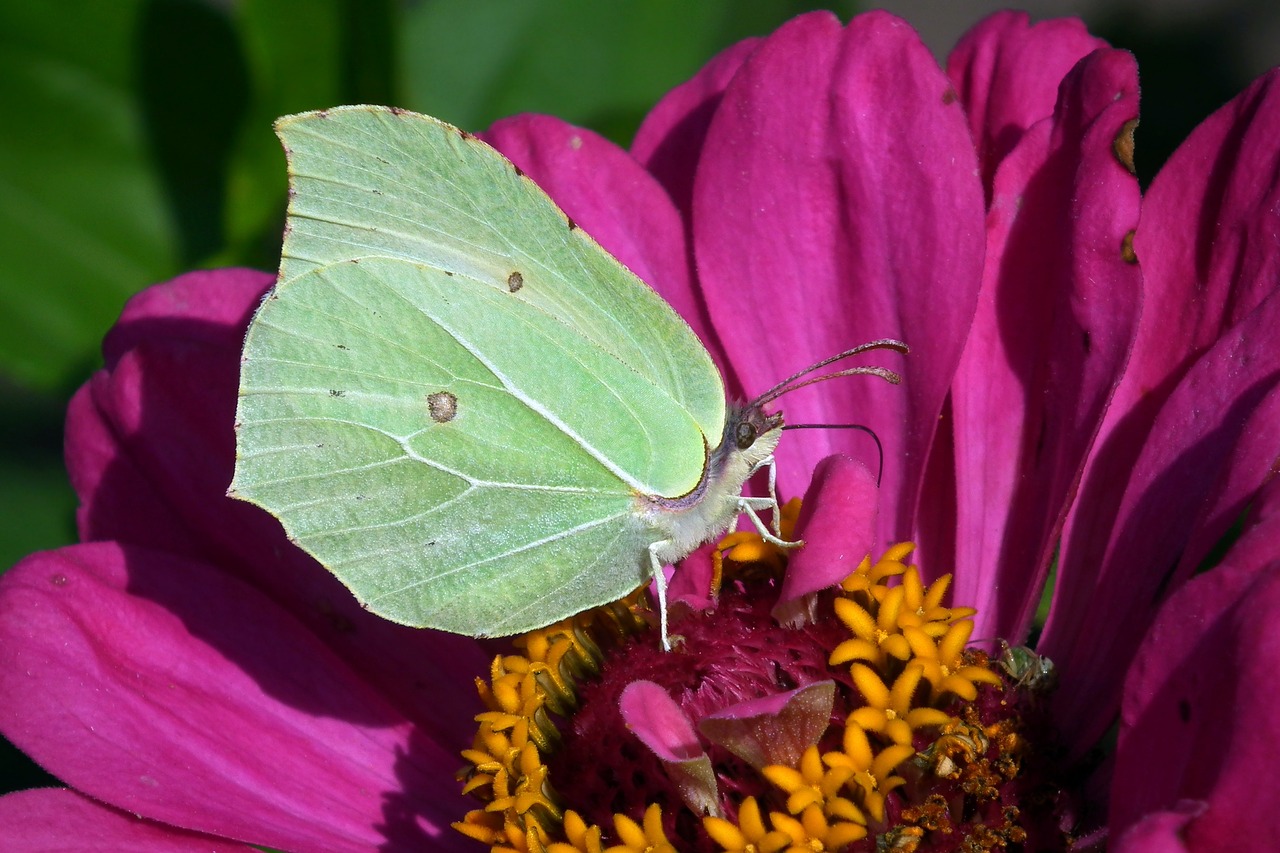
(746, 435)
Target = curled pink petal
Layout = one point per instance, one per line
(774, 729)
(660, 724)
(1207, 239)
(837, 523)
(659, 721)
(690, 585)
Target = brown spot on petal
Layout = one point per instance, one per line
(443, 406)
(949, 97)
(1126, 249)
(515, 281)
(1122, 145)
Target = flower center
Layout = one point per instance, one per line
(871, 727)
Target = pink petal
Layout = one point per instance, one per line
(1206, 244)
(837, 201)
(1208, 254)
(658, 720)
(690, 584)
(1007, 72)
(837, 523)
(151, 448)
(1207, 239)
(1259, 542)
(198, 307)
(1199, 718)
(166, 688)
(1055, 320)
(669, 141)
(1211, 446)
(55, 820)
(660, 724)
(186, 320)
(1160, 832)
(775, 729)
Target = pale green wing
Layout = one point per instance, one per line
(372, 181)
(436, 444)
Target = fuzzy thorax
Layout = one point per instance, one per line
(710, 509)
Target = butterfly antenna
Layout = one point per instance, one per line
(790, 384)
(868, 430)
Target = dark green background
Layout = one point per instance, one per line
(137, 144)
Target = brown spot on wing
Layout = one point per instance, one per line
(442, 406)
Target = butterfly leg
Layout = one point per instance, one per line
(660, 581)
(751, 507)
(768, 462)
(773, 494)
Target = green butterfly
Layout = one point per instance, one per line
(463, 406)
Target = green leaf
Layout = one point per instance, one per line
(83, 218)
(37, 505)
(602, 65)
(301, 55)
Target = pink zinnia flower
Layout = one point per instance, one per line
(1092, 379)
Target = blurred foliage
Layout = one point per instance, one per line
(139, 145)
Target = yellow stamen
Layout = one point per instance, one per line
(905, 656)
(637, 838)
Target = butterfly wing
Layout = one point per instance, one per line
(373, 181)
(453, 396)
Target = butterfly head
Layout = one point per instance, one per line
(750, 434)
